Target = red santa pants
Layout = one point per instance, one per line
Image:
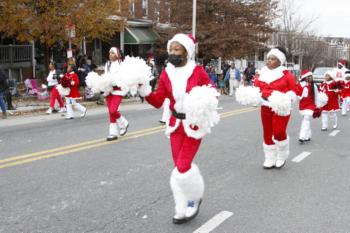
(274, 126)
(113, 102)
(183, 148)
(55, 95)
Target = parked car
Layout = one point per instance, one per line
(318, 74)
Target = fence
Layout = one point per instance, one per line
(11, 54)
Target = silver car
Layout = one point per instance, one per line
(319, 72)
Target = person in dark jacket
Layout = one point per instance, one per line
(4, 86)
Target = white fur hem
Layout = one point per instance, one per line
(306, 112)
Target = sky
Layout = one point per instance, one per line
(333, 16)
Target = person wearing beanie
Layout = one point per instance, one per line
(277, 86)
(330, 88)
(307, 92)
(70, 80)
(180, 76)
(118, 124)
(345, 94)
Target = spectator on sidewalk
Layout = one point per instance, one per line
(249, 73)
(4, 86)
(234, 77)
(52, 82)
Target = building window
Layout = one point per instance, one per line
(145, 8)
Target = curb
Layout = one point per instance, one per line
(41, 108)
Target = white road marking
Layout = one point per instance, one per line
(214, 222)
(334, 132)
(301, 156)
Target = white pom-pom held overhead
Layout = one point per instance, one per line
(200, 107)
(280, 103)
(248, 95)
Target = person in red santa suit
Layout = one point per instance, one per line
(277, 86)
(339, 71)
(179, 77)
(118, 124)
(52, 82)
(71, 80)
(307, 92)
(331, 88)
(345, 94)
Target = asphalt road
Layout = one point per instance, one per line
(62, 176)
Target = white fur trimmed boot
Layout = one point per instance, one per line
(188, 190)
(70, 112)
(123, 125)
(113, 132)
(270, 156)
(282, 152)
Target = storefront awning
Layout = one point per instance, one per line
(141, 35)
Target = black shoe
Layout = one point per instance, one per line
(324, 129)
(301, 141)
(307, 140)
(111, 137)
(162, 122)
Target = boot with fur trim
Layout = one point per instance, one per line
(282, 152)
(113, 132)
(270, 156)
(188, 192)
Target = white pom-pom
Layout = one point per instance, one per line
(63, 91)
(322, 100)
(99, 83)
(200, 107)
(247, 95)
(280, 103)
(145, 90)
(133, 71)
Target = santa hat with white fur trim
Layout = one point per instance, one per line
(305, 74)
(187, 41)
(281, 56)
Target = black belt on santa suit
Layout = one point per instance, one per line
(178, 115)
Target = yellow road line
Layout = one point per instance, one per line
(22, 159)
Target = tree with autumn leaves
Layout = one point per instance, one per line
(225, 28)
(45, 21)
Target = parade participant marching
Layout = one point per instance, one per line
(309, 104)
(330, 88)
(275, 89)
(70, 83)
(191, 93)
(118, 124)
(52, 82)
(345, 94)
(339, 71)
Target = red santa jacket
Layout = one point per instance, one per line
(173, 84)
(345, 92)
(307, 99)
(330, 88)
(73, 81)
(279, 79)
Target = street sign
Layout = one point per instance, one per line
(70, 28)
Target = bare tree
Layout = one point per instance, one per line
(293, 28)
